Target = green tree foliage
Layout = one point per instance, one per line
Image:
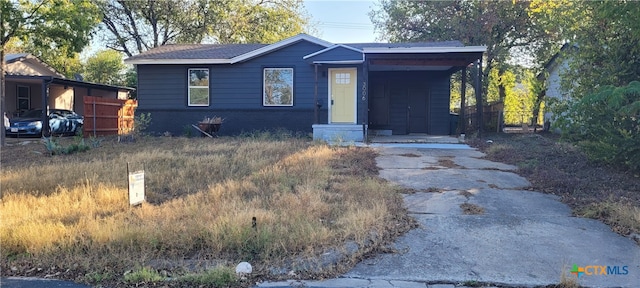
(606, 34)
(105, 67)
(606, 124)
(500, 25)
(133, 27)
(56, 26)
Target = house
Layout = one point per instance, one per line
(303, 84)
(32, 84)
(552, 77)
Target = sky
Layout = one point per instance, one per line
(342, 21)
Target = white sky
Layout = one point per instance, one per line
(342, 21)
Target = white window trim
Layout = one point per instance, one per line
(201, 87)
(264, 94)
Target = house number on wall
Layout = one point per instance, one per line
(364, 90)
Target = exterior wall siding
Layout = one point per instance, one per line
(396, 85)
(337, 54)
(235, 94)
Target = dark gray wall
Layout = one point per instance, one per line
(235, 93)
(395, 86)
(337, 54)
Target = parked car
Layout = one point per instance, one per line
(61, 122)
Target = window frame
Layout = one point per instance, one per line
(27, 97)
(189, 87)
(264, 86)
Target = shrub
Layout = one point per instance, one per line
(606, 124)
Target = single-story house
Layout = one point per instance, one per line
(32, 84)
(303, 84)
(552, 77)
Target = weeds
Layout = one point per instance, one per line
(607, 193)
(143, 275)
(218, 277)
(202, 196)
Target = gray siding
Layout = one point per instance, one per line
(439, 98)
(337, 54)
(396, 85)
(235, 93)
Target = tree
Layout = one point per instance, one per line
(133, 27)
(502, 26)
(62, 25)
(105, 67)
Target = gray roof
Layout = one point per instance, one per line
(228, 51)
(197, 51)
(13, 57)
(406, 44)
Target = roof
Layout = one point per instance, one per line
(406, 44)
(234, 53)
(215, 53)
(9, 58)
(64, 81)
(27, 57)
(197, 51)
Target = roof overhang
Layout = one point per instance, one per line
(177, 61)
(331, 48)
(425, 50)
(243, 57)
(339, 62)
(69, 82)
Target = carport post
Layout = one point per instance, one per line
(45, 108)
(479, 97)
(463, 101)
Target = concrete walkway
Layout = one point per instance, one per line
(512, 238)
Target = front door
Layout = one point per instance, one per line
(342, 95)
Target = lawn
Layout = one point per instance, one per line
(593, 190)
(68, 216)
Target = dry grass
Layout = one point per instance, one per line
(597, 191)
(71, 213)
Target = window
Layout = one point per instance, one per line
(199, 87)
(24, 101)
(343, 78)
(277, 87)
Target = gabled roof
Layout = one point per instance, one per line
(10, 58)
(406, 44)
(234, 53)
(27, 57)
(215, 53)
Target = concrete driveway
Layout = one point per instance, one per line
(479, 224)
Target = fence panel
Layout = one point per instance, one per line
(105, 116)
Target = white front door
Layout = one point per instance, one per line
(342, 95)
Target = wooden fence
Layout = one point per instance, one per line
(491, 119)
(104, 116)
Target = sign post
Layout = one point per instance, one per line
(136, 186)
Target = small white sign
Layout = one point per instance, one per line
(136, 187)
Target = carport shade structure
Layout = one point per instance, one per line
(389, 61)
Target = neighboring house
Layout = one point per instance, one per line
(552, 75)
(303, 84)
(32, 84)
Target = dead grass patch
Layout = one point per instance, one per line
(466, 194)
(69, 214)
(592, 190)
(448, 163)
(471, 209)
(409, 155)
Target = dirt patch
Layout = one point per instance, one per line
(560, 168)
(448, 163)
(466, 194)
(409, 155)
(471, 209)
